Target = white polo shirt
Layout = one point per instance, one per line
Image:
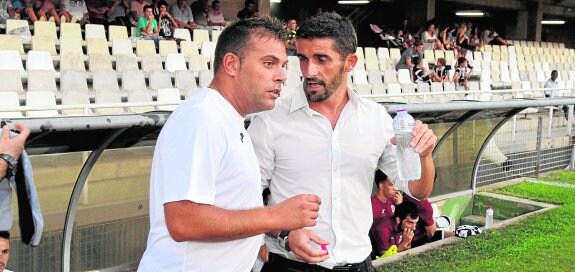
(300, 153)
(204, 155)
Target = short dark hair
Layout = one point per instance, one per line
(148, 7)
(162, 3)
(463, 51)
(418, 42)
(416, 61)
(330, 25)
(214, 3)
(234, 38)
(5, 235)
(554, 71)
(461, 60)
(404, 209)
(380, 177)
(442, 61)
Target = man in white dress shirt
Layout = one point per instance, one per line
(327, 141)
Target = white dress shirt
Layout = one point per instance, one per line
(300, 153)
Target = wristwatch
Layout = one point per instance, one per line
(12, 164)
(283, 239)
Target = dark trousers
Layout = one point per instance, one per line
(277, 263)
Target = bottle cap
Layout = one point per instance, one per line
(401, 110)
(490, 207)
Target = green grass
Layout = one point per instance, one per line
(561, 177)
(544, 242)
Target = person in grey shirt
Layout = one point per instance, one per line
(416, 50)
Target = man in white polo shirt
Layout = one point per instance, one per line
(327, 141)
(206, 209)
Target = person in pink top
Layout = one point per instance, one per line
(398, 230)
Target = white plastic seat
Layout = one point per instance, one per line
(160, 80)
(134, 81)
(97, 46)
(201, 35)
(175, 62)
(140, 97)
(11, 42)
(205, 77)
(42, 43)
(383, 53)
(152, 63)
(125, 62)
(41, 80)
(374, 78)
(145, 47)
(12, 24)
(188, 48)
(170, 95)
(9, 100)
(208, 49)
(75, 98)
(182, 33)
(105, 80)
(39, 60)
(168, 46)
(70, 30)
(198, 63)
(100, 62)
(11, 81)
(72, 61)
(186, 82)
(117, 32)
(73, 81)
(108, 97)
(403, 76)
(215, 35)
(41, 99)
(122, 46)
(95, 31)
(390, 76)
(71, 45)
(10, 60)
(46, 29)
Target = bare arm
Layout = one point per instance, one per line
(423, 141)
(13, 146)
(187, 220)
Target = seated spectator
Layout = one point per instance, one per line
(491, 37)
(215, 16)
(430, 39)
(136, 11)
(74, 11)
(249, 10)
(461, 39)
(444, 38)
(441, 70)
(183, 15)
(7, 10)
(118, 13)
(460, 77)
(551, 83)
(200, 12)
(468, 55)
(419, 72)
(167, 22)
(416, 50)
(425, 230)
(291, 29)
(148, 26)
(98, 12)
(398, 231)
(42, 10)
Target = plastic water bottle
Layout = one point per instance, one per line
(489, 217)
(408, 164)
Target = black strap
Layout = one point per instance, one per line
(26, 220)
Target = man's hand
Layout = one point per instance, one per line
(14, 146)
(299, 244)
(423, 140)
(397, 197)
(297, 212)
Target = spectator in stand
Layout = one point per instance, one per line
(250, 10)
(399, 230)
(167, 22)
(461, 39)
(460, 77)
(441, 70)
(42, 10)
(405, 27)
(98, 12)
(491, 37)
(430, 38)
(444, 38)
(405, 62)
(425, 230)
(215, 16)
(118, 13)
(200, 12)
(74, 11)
(383, 206)
(136, 11)
(183, 15)
(420, 71)
(148, 26)
(4, 250)
(468, 55)
(291, 29)
(551, 83)
(12, 9)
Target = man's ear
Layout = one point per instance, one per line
(231, 64)
(350, 62)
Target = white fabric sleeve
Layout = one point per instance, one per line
(191, 156)
(260, 134)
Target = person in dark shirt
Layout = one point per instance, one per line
(419, 73)
(200, 10)
(460, 77)
(166, 21)
(248, 11)
(441, 70)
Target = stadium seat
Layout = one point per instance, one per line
(126, 62)
(208, 49)
(403, 76)
(395, 55)
(41, 80)
(360, 83)
(100, 62)
(108, 97)
(201, 35)
(71, 45)
(140, 97)
(170, 95)
(216, 35)
(10, 60)
(105, 80)
(97, 46)
(390, 76)
(117, 32)
(75, 98)
(12, 24)
(168, 46)
(122, 46)
(71, 61)
(95, 31)
(152, 63)
(45, 29)
(39, 60)
(41, 99)
(376, 81)
(160, 80)
(383, 53)
(198, 63)
(134, 81)
(186, 82)
(145, 47)
(11, 81)
(70, 30)
(205, 78)
(73, 81)
(188, 48)
(41, 43)
(175, 62)
(11, 42)
(182, 33)
(9, 100)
